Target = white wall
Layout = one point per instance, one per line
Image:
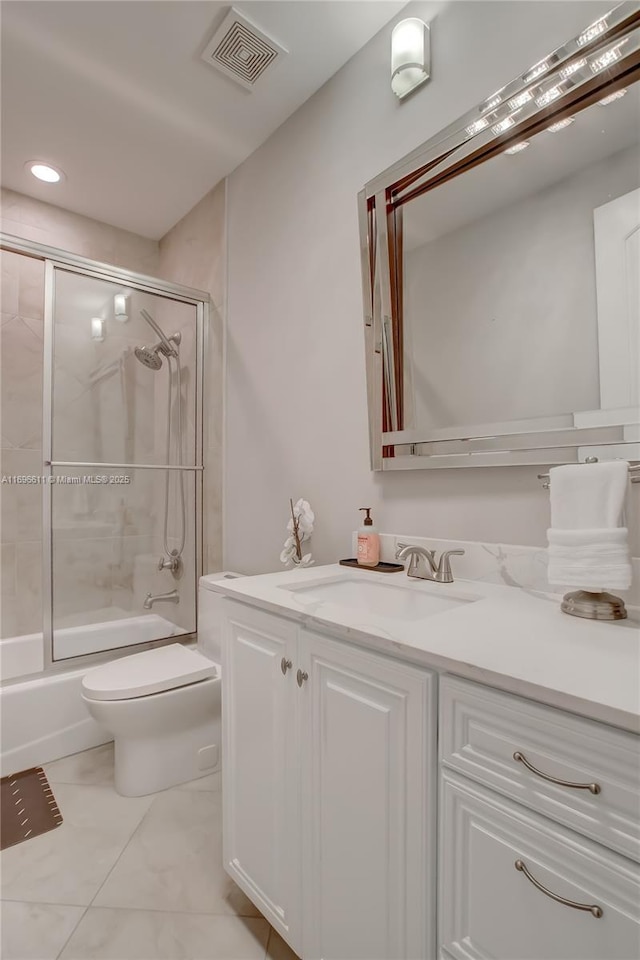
(296, 398)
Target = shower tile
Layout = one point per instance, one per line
(21, 502)
(82, 575)
(8, 600)
(21, 370)
(36, 931)
(8, 578)
(69, 864)
(31, 288)
(150, 935)
(174, 861)
(29, 586)
(25, 231)
(10, 263)
(91, 767)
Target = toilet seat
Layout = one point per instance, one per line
(153, 671)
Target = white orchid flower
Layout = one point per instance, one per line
(287, 554)
(303, 509)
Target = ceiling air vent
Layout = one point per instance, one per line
(241, 51)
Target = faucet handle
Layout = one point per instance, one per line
(444, 574)
(399, 548)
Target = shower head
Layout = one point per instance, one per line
(149, 356)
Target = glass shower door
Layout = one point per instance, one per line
(124, 491)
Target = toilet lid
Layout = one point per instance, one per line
(152, 671)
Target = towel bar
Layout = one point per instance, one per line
(634, 477)
(589, 604)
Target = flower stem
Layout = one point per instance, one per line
(296, 535)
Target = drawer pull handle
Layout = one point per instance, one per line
(591, 787)
(593, 908)
(285, 665)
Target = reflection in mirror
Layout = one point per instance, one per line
(501, 271)
(515, 304)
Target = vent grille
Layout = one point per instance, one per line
(241, 51)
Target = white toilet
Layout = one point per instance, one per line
(163, 706)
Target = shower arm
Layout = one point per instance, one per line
(158, 330)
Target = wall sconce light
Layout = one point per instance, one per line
(410, 56)
(120, 307)
(97, 328)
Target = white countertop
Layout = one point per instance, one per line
(511, 638)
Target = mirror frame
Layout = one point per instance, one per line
(469, 141)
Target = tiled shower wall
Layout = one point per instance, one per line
(21, 338)
(97, 572)
(193, 253)
(85, 580)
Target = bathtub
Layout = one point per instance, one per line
(44, 718)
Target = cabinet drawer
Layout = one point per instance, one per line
(491, 909)
(481, 729)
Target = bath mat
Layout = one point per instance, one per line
(28, 807)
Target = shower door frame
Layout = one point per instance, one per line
(55, 258)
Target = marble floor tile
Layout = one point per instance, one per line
(106, 934)
(91, 767)
(36, 931)
(277, 949)
(69, 864)
(212, 782)
(174, 861)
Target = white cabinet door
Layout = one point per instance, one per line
(260, 763)
(491, 909)
(368, 796)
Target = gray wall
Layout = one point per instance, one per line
(296, 415)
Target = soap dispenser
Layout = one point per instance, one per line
(368, 542)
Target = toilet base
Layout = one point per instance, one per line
(163, 739)
(147, 765)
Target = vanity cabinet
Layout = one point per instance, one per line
(261, 725)
(492, 909)
(525, 879)
(329, 789)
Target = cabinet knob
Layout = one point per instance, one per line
(301, 676)
(285, 665)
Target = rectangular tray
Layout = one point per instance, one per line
(381, 567)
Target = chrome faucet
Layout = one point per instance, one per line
(172, 597)
(437, 572)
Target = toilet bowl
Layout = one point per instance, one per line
(163, 708)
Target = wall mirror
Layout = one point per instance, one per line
(501, 271)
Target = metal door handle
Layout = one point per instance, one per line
(593, 908)
(592, 787)
(285, 665)
(301, 676)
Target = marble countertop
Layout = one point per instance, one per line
(512, 638)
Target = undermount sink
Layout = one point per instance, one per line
(399, 601)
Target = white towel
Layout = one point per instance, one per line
(587, 546)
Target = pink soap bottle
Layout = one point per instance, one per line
(368, 542)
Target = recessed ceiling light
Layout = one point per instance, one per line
(44, 171)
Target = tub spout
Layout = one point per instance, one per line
(172, 597)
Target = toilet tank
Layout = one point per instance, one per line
(209, 640)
